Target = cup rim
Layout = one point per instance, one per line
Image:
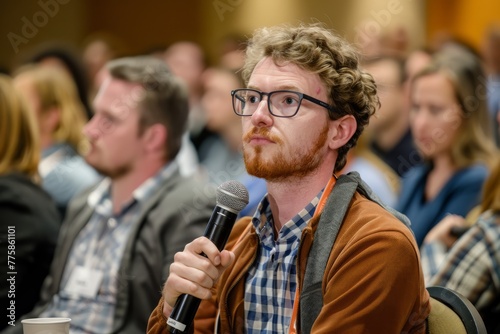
(47, 321)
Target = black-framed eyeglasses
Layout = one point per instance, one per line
(281, 103)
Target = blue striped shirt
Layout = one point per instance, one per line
(272, 279)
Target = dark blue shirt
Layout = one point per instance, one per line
(458, 196)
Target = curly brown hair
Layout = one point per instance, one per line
(318, 50)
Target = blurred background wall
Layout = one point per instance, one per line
(153, 24)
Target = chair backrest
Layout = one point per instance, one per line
(452, 313)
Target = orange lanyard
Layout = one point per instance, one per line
(317, 212)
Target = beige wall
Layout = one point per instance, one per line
(354, 19)
(25, 24)
(139, 25)
(147, 24)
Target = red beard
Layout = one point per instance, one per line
(280, 166)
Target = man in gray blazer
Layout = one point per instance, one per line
(119, 238)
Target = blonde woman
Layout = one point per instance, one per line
(449, 122)
(29, 221)
(53, 98)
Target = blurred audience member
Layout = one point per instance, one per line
(472, 265)
(392, 40)
(443, 236)
(187, 158)
(491, 56)
(29, 221)
(395, 41)
(119, 238)
(52, 96)
(98, 49)
(389, 128)
(450, 126)
(381, 178)
(186, 60)
(232, 52)
(445, 41)
(62, 56)
(416, 61)
(224, 159)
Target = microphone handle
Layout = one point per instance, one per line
(182, 315)
(218, 230)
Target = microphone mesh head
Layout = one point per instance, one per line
(232, 196)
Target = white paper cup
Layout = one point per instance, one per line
(46, 325)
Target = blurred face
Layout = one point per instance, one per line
(95, 56)
(277, 148)
(390, 92)
(113, 132)
(216, 100)
(435, 117)
(185, 60)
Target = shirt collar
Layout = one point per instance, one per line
(263, 214)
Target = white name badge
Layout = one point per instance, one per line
(84, 282)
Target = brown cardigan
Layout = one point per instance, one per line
(373, 281)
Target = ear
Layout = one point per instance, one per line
(154, 138)
(342, 131)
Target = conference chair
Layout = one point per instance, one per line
(452, 313)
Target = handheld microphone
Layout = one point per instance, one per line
(231, 198)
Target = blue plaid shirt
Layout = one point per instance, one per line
(272, 279)
(472, 266)
(100, 246)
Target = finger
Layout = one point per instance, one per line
(227, 259)
(186, 259)
(195, 268)
(203, 245)
(176, 286)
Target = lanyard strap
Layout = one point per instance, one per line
(317, 212)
